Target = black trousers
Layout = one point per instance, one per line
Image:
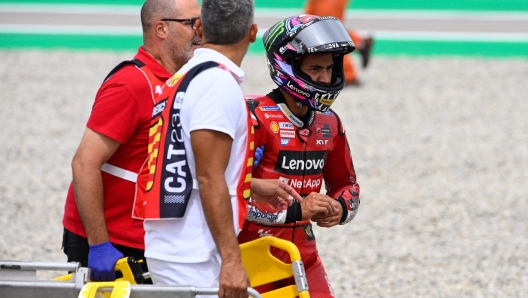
(76, 249)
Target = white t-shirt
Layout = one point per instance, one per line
(213, 101)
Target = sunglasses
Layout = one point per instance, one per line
(190, 22)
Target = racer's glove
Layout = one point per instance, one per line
(102, 259)
(349, 201)
(259, 152)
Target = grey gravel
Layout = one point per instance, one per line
(440, 147)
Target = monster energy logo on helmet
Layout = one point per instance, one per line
(272, 35)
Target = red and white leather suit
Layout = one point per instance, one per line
(303, 153)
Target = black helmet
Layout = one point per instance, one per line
(290, 39)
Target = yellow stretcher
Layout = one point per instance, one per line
(19, 279)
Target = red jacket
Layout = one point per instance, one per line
(303, 153)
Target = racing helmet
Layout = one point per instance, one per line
(290, 39)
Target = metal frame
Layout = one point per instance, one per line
(19, 279)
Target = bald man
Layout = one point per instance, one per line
(98, 227)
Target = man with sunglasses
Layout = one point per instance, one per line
(98, 227)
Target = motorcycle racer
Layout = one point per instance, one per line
(304, 140)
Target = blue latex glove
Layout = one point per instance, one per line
(259, 152)
(102, 259)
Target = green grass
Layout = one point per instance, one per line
(451, 48)
(469, 5)
(381, 46)
(487, 5)
(70, 42)
(87, 2)
(15, 41)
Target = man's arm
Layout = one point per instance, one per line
(340, 179)
(274, 192)
(216, 202)
(95, 149)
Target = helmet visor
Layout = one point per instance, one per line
(326, 36)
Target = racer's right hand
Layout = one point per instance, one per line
(102, 259)
(317, 203)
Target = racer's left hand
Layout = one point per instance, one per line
(274, 192)
(329, 220)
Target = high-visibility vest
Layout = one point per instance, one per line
(165, 183)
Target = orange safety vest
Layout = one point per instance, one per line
(165, 183)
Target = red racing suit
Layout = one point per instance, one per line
(302, 153)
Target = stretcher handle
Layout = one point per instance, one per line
(214, 291)
(171, 290)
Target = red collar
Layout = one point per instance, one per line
(152, 64)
